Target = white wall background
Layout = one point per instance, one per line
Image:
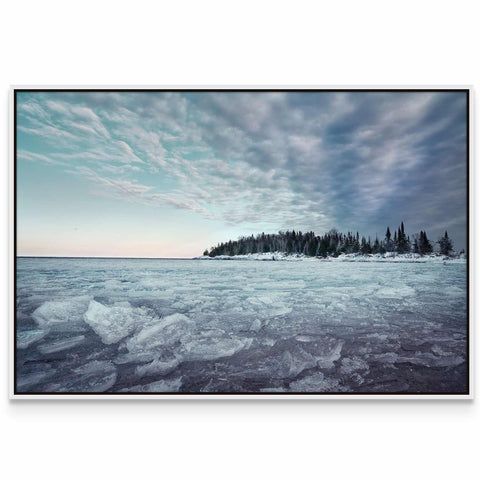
(243, 43)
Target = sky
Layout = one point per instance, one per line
(169, 174)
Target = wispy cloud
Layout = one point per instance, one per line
(121, 189)
(36, 157)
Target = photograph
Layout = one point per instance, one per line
(266, 242)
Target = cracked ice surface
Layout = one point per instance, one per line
(108, 325)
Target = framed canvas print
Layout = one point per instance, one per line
(261, 243)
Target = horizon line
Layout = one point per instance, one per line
(97, 256)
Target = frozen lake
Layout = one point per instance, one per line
(139, 325)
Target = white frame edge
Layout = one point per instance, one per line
(253, 396)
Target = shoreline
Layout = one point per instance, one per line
(389, 257)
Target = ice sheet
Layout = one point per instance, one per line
(303, 325)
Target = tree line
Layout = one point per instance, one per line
(333, 243)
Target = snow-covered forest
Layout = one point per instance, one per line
(333, 243)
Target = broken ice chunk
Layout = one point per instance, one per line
(60, 345)
(161, 386)
(317, 383)
(63, 315)
(112, 323)
(353, 364)
(95, 376)
(28, 337)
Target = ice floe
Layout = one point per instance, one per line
(164, 332)
(211, 348)
(31, 379)
(158, 366)
(60, 345)
(352, 365)
(317, 383)
(112, 323)
(28, 337)
(95, 376)
(160, 386)
(62, 315)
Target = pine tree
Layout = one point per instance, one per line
(322, 248)
(289, 247)
(312, 247)
(446, 245)
(388, 240)
(403, 244)
(424, 245)
(365, 248)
